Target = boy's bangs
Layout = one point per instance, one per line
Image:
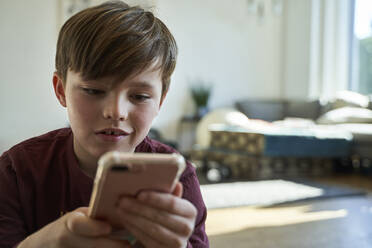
(122, 59)
(115, 40)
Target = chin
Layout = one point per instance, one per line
(126, 149)
(99, 151)
(116, 148)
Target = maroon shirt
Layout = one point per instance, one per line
(40, 180)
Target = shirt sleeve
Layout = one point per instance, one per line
(192, 193)
(12, 228)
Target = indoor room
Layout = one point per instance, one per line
(270, 101)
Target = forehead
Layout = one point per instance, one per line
(149, 77)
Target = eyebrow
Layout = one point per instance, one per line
(141, 84)
(110, 83)
(94, 81)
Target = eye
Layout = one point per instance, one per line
(91, 91)
(140, 97)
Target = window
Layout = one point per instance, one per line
(361, 66)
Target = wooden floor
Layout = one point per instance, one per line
(344, 222)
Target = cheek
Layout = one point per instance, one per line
(145, 117)
(80, 110)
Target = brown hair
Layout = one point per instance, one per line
(114, 39)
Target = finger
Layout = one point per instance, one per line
(84, 210)
(112, 243)
(80, 224)
(73, 239)
(178, 190)
(149, 233)
(177, 224)
(168, 202)
(144, 239)
(82, 242)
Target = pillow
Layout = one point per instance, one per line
(227, 116)
(268, 110)
(303, 109)
(346, 115)
(350, 99)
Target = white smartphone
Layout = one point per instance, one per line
(119, 174)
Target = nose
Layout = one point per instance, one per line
(115, 109)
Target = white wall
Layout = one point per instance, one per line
(222, 43)
(296, 49)
(218, 41)
(27, 46)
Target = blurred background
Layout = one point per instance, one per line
(245, 49)
(264, 91)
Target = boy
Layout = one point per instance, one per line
(113, 68)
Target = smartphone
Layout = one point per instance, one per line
(127, 174)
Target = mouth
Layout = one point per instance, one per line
(112, 132)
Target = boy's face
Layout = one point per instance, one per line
(105, 115)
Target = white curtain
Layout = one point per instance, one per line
(331, 32)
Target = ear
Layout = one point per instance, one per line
(59, 89)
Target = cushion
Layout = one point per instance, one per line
(362, 137)
(350, 99)
(279, 142)
(228, 116)
(268, 110)
(360, 131)
(346, 115)
(303, 109)
(294, 122)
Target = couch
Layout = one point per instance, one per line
(347, 112)
(264, 149)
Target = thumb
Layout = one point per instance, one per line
(83, 210)
(78, 222)
(178, 190)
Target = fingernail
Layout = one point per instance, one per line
(79, 214)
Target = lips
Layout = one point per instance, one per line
(111, 134)
(112, 131)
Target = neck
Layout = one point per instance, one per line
(89, 170)
(87, 163)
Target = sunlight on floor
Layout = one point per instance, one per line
(222, 221)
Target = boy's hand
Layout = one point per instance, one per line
(74, 229)
(158, 219)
